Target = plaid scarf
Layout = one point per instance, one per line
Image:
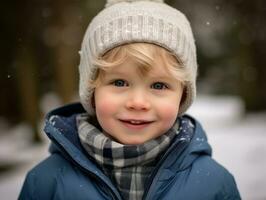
(128, 166)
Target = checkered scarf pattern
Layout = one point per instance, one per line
(128, 166)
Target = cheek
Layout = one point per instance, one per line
(169, 109)
(169, 113)
(169, 106)
(103, 111)
(105, 107)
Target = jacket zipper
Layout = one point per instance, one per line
(155, 173)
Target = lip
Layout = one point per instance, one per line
(143, 123)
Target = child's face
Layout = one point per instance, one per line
(133, 109)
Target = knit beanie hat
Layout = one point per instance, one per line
(130, 21)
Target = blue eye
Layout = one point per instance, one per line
(159, 86)
(119, 83)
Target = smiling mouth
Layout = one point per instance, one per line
(136, 124)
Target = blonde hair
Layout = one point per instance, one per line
(145, 55)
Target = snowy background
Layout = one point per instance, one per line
(238, 141)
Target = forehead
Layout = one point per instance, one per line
(158, 69)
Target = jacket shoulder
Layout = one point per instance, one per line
(58, 178)
(50, 164)
(41, 180)
(204, 179)
(211, 176)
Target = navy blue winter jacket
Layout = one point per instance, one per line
(184, 173)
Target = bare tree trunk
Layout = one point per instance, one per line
(253, 73)
(26, 66)
(65, 53)
(27, 88)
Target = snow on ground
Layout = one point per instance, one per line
(238, 141)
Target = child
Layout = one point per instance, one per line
(131, 139)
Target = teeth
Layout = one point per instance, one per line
(135, 122)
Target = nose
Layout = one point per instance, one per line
(138, 100)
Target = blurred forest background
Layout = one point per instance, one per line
(40, 40)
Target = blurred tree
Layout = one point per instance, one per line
(67, 31)
(41, 43)
(231, 46)
(7, 70)
(26, 65)
(252, 48)
(27, 87)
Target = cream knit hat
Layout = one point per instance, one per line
(129, 21)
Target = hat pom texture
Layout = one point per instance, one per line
(112, 2)
(138, 21)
